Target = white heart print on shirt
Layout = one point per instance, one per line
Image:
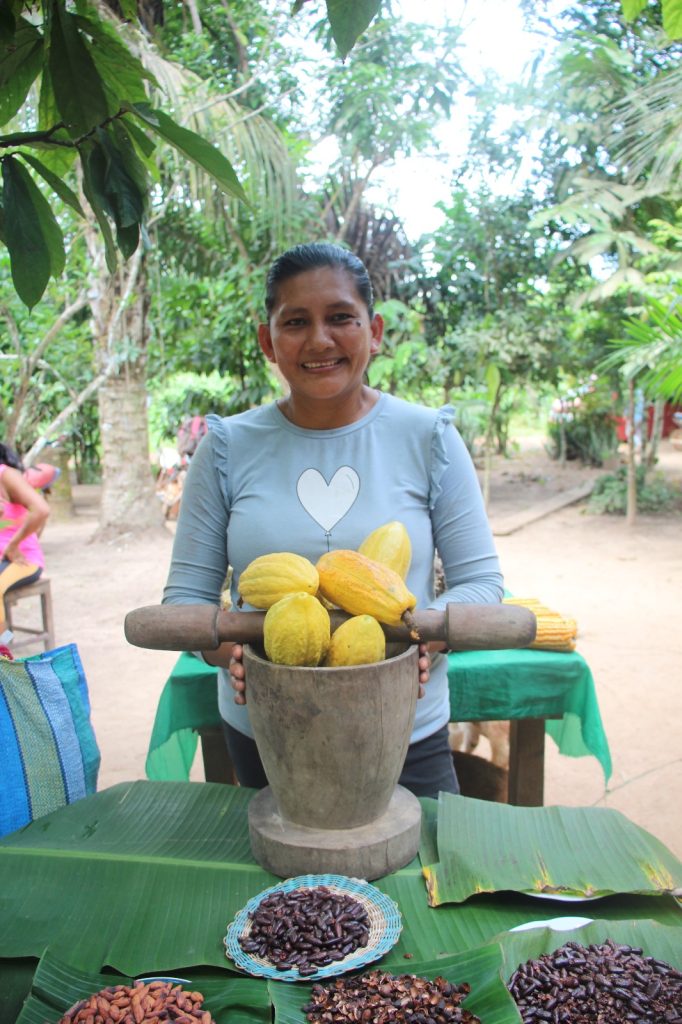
(327, 503)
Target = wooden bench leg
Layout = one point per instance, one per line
(527, 762)
(48, 620)
(218, 765)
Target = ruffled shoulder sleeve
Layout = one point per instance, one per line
(220, 441)
(439, 455)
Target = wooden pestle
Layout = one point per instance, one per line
(203, 627)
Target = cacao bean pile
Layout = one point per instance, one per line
(381, 998)
(610, 983)
(154, 1002)
(306, 929)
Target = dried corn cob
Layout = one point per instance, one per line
(555, 632)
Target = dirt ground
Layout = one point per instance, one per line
(623, 585)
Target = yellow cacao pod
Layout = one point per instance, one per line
(362, 586)
(357, 641)
(296, 631)
(390, 545)
(268, 578)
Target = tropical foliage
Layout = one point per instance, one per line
(139, 214)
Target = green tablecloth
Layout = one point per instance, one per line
(484, 686)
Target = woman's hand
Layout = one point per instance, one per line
(13, 554)
(238, 674)
(424, 663)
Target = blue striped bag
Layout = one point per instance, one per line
(48, 747)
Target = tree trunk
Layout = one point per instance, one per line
(488, 450)
(656, 434)
(129, 503)
(119, 304)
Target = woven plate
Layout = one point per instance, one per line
(385, 924)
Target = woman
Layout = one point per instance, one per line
(321, 468)
(23, 514)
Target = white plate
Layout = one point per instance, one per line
(557, 924)
(563, 897)
(164, 977)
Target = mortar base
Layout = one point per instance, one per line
(368, 852)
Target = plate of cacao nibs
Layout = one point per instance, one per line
(313, 926)
(381, 998)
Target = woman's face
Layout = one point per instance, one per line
(320, 335)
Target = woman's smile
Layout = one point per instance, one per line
(322, 364)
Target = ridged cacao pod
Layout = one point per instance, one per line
(362, 586)
(357, 641)
(389, 544)
(269, 578)
(296, 631)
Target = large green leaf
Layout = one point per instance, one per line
(349, 20)
(585, 851)
(66, 194)
(430, 933)
(487, 968)
(672, 18)
(20, 64)
(121, 72)
(480, 968)
(94, 188)
(32, 235)
(192, 146)
(77, 86)
(123, 196)
(119, 181)
(15, 984)
(145, 878)
(632, 8)
(57, 986)
(173, 861)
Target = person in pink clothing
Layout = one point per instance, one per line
(23, 514)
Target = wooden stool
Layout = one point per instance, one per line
(44, 634)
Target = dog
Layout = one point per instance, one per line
(480, 778)
(465, 736)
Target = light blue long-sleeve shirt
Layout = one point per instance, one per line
(259, 484)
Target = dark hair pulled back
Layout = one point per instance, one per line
(9, 457)
(310, 256)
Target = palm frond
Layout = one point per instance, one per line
(651, 350)
(644, 132)
(254, 146)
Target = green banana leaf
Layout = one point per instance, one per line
(15, 982)
(140, 877)
(145, 877)
(57, 986)
(487, 968)
(573, 851)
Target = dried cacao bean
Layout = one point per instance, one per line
(610, 983)
(139, 1004)
(306, 929)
